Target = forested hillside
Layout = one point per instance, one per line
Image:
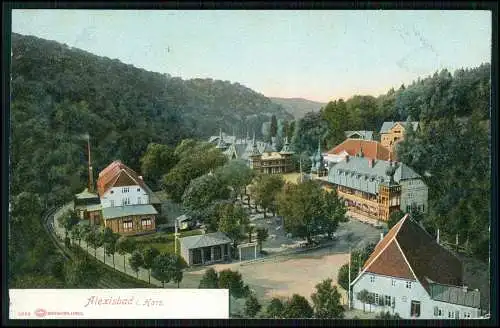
(60, 93)
(451, 150)
(298, 107)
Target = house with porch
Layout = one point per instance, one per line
(206, 248)
(391, 133)
(410, 274)
(128, 204)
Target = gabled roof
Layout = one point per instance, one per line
(408, 251)
(118, 174)
(109, 213)
(386, 126)
(85, 194)
(206, 240)
(370, 148)
(366, 135)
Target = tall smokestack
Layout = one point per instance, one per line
(91, 177)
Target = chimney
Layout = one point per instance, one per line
(370, 163)
(346, 158)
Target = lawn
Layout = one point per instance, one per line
(163, 241)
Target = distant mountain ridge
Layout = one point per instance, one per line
(298, 107)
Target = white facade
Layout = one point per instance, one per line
(413, 191)
(401, 293)
(128, 195)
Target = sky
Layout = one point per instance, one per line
(319, 55)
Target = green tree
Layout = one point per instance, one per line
(326, 301)
(156, 162)
(275, 308)
(125, 246)
(149, 254)
(337, 117)
(233, 221)
(301, 208)
(262, 235)
(297, 307)
(67, 220)
(250, 231)
(168, 267)
(202, 192)
(77, 234)
(363, 297)
(177, 268)
(136, 261)
(81, 274)
(110, 240)
(252, 306)
(232, 280)
(237, 175)
(334, 211)
(394, 218)
(343, 276)
(265, 190)
(274, 126)
(210, 279)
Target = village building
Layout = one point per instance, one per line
(318, 165)
(393, 132)
(374, 189)
(355, 146)
(184, 222)
(87, 206)
(269, 161)
(410, 274)
(361, 134)
(128, 204)
(206, 248)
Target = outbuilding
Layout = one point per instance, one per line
(205, 249)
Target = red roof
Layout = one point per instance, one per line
(408, 251)
(370, 148)
(117, 174)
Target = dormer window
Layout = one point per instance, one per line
(111, 192)
(125, 189)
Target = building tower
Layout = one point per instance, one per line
(254, 155)
(389, 196)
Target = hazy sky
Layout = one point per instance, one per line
(318, 55)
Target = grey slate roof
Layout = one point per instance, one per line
(127, 210)
(365, 135)
(206, 240)
(356, 174)
(386, 126)
(91, 207)
(455, 295)
(182, 218)
(85, 194)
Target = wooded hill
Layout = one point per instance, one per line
(298, 107)
(60, 93)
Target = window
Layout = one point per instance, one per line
(372, 279)
(415, 309)
(466, 314)
(146, 223)
(377, 299)
(404, 299)
(112, 191)
(438, 312)
(112, 202)
(139, 200)
(408, 284)
(138, 189)
(393, 282)
(125, 201)
(387, 301)
(125, 189)
(127, 225)
(408, 208)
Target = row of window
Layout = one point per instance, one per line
(145, 223)
(125, 190)
(439, 312)
(420, 208)
(126, 201)
(393, 282)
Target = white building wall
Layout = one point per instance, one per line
(117, 195)
(413, 191)
(396, 287)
